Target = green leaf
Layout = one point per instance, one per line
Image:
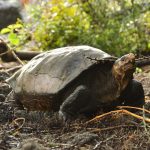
(11, 26)
(5, 30)
(138, 70)
(17, 26)
(14, 40)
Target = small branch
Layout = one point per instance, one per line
(99, 143)
(61, 144)
(111, 128)
(144, 122)
(103, 115)
(7, 54)
(131, 107)
(13, 69)
(123, 111)
(17, 58)
(4, 53)
(111, 59)
(142, 61)
(15, 122)
(136, 116)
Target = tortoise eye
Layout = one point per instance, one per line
(123, 58)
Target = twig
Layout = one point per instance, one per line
(143, 109)
(17, 58)
(9, 50)
(103, 115)
(111, 128)
(10, 70)
(102, 60)
(107, 128)
(142, 61)
(4, 53)
(18, 119)
(144, 122)
(135, 115)
(119, 111)
(15, 122)
(131, 107)
(60, 144)
(142, 58)
(97, 146)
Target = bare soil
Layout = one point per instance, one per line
(20, 129)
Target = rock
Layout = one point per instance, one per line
(32, 146)
(83, 138)
(9, 12)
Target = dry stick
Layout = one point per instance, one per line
(100, 142)
(110, 128)
(18, 119)
(103, 115)
(15, 123)
(135, 115)
(13, 69)
(107, 128)
(13, 53)
(138, 108)
(4, 53)
(17, 58)
(61, 144)
(143, 109)
(118, 111)
(144, 119)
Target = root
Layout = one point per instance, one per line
(123, 111)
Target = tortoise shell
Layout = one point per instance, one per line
(51, 71)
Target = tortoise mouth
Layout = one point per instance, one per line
(128, 70)
(126, 63)
(129, 67)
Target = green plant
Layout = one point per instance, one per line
(59, 24)
(17, 34)
(118, 26)
(12, 31)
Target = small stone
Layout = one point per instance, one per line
(84, 138)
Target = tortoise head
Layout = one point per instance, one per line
(123, 69)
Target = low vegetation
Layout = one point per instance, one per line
(114, 26)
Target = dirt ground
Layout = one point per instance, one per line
(118, 130)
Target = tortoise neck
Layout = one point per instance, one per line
(121, 79)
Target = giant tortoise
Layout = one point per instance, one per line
(77, 80)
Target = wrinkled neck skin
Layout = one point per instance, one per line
(121, 78)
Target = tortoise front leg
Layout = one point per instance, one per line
(133, 95)
(76, 103)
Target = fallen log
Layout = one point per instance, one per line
(140, 62)
(7, 55)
